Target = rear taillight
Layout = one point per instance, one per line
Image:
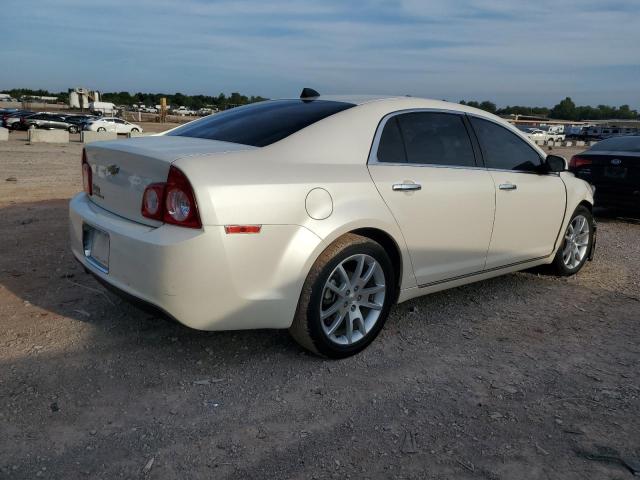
(86, 174)
(577, 161)
(172, 202)
(152, 201)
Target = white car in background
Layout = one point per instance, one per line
(112, 124)
(536, 134)
(318, 214)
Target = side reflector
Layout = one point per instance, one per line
(87, 175)
(229, 229)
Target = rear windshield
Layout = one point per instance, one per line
(618, 144)
(263, 123)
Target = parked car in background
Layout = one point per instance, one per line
(80, 120)
(10, 119)
(6, 112)
(183, 112)
(613, 167)
(537, 134)
(112, 124)
(318, 214)
(48, 121)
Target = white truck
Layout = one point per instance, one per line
(538, 135)
(103, 108)
(183, 112)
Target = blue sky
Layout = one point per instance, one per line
(512, 52)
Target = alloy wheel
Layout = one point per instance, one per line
(576, 242)
(352, 299)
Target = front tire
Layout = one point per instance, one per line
(345, 299)
(102, 129)
(577, 243)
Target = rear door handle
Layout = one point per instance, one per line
(406, 187)
(507, 186)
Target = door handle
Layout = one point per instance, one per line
(507, 186)
(406, 187)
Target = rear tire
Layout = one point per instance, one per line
(577, 243)
(353, 278)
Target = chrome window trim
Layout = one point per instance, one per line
(525, 140)
(373, 152)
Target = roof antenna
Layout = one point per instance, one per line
(308, 93)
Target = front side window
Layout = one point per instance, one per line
(426, 138)
(503, 149)
(261, 124)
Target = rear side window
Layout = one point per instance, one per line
(426, 138)
(391, 147)
(503, 149)
(261, 124)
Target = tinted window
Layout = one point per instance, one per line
(391, 148)
(263, 123)
(503, 149)
(618, 144)
(436, 139)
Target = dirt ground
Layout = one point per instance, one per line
(523, 376)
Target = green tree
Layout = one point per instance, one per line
(565, 110)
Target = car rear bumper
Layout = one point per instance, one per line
(203, 278)
(627, 198)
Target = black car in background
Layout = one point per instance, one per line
(79, 120)
(12, 120)
(613, 167)
(49, 121)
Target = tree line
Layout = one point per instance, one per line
(194, 102)
(565, 110)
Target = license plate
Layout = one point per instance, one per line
(615, 172)
(96, 247)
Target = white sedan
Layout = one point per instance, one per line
(112, 124)
(318, 214)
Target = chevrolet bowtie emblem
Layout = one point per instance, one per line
(112, 170)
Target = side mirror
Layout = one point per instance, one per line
(555, 163)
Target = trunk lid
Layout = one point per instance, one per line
(122, 169)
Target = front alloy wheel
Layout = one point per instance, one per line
(577, 243)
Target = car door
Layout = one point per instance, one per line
(530, 205)
(107, 124)
(424, 166)
(57, 123)
(121, 126)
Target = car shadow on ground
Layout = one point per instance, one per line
(38, 268)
